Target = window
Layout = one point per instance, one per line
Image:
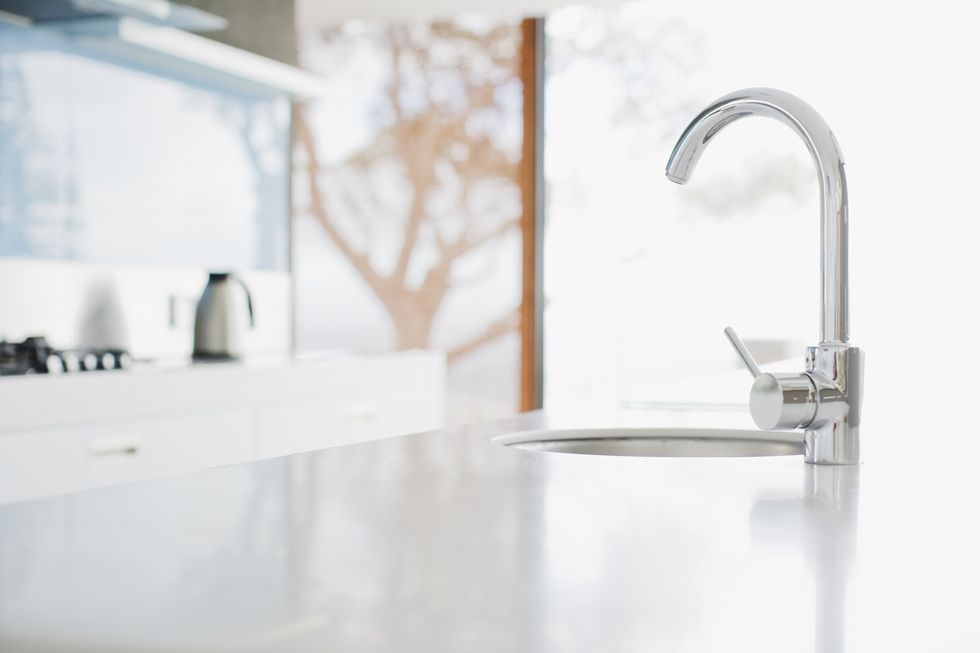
(408, 200)
(641, 275)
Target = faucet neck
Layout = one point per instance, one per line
(807, 123)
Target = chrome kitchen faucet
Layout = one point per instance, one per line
(825, 400)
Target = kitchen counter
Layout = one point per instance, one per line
(179, 387)
(61, 434)
(445, 541)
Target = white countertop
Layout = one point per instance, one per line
(445, 541)
(178, 387)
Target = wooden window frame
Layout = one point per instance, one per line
(532, 218)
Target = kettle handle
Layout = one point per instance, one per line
(248, 299)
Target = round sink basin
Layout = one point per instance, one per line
(670, 443)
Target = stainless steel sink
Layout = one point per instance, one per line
(671, 443)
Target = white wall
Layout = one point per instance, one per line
(324, 12)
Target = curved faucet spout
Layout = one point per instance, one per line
(801, 117)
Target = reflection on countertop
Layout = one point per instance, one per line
(446, 542)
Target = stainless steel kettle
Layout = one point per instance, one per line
(224, 312)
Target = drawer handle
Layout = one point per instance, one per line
(114, 450)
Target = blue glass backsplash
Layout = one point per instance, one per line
(105, 162)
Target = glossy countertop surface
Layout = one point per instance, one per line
(445, 541)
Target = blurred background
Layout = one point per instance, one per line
(484, 182)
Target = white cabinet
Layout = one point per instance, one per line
(64, 434)
(379, 398)
(53, 461)
(345, 418)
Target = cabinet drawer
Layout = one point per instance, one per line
(348, 418)
(39, 463)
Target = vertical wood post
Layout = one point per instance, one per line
(532, 187)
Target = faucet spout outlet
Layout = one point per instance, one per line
(824, 400)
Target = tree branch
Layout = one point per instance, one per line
(318, 207)
(422, 173)
(466, 244)
(500, 327)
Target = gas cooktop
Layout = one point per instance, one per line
(35, 356)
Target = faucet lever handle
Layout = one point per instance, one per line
(743, 352)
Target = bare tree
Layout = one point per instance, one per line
(439, 178)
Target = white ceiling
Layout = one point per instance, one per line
(329, 12)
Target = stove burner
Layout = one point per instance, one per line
(36, 356)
